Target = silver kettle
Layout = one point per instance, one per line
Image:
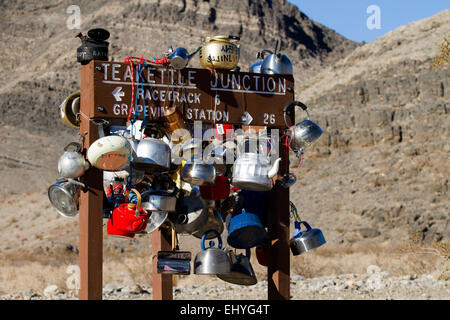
(310, 239)
(212, 260)
(72, 163)
(256, 66)
(276, 63)
(304, 133)
(241, 270)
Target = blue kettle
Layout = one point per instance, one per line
(245, 231)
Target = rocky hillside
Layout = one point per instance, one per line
(39, 51)
(384, 157)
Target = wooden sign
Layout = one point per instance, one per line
(200, 94)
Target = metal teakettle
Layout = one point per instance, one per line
(72, 163)
(256, 66)
(212, 260)
(302, 242)
(64, 196)
(214, 222)
(198, 173)
(179, 58)
(276, 63)
(304, 133)
(241, 270)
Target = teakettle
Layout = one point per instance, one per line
(179, 58)
(93, 46)
(256, 66)
(212, 260)
(241, 270)
(69, 110)
(245, 231)
(304, 133)
(128, 219)
(72, 163)
(214, 222)
(276, 63)
(152, 155)
(253, 171)
(198, 173)
(302, 242)
(219, 191)
(64, 196)
(220, 52)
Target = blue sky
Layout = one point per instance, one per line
(349, 17)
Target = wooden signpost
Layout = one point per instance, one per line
(200, 95)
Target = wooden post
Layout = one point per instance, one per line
(91, 203)
(161, 283)
(278, 270)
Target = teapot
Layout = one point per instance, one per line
(302, 242)
(276, 63)
(72, 163)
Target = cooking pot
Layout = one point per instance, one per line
(152, 155)
(69, 110)
(179, 58)
(256, 66)
(276, 63)
(302, 242)
(198, 173)
(304, 133)
(72, 163)
(110, 153)
(253, 171)
(214, 222)
(219, 191)
(220, 52)
(64, 196)
(212, 260)
(128, 219)
(245, 231)
(241, 271)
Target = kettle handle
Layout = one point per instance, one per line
(289, 110)
(204, 238)
(298, 224)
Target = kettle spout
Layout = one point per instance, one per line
(189, 57)
(274, 170)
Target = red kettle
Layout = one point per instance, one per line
(128, 219)
(220, 190)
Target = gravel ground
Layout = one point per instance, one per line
(374, 285)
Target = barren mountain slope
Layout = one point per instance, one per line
(383, 164)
